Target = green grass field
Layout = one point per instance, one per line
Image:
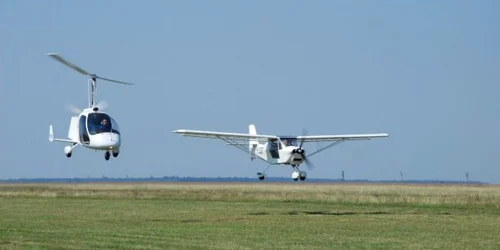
(249, 216)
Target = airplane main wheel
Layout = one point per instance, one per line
(68, 155)
(115, 154)
(295, 175)
(107, 155)
(261, 176)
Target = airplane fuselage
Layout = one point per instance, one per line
(285, 155)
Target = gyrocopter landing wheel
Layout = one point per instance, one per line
(107, 155)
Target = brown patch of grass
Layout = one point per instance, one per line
(285, 192)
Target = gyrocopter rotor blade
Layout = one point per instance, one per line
(81, 71)
(115, 81)
(71, 65)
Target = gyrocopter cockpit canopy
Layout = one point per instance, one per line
(101, 123)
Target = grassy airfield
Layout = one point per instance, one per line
(249, 216)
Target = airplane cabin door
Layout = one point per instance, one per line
(273, 149)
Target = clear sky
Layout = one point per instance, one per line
(426, 72)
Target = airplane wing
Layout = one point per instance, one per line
(333, 140)
(232, 139)
(326, 138)
(221, 135)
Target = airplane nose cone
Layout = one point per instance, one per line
(299, 151)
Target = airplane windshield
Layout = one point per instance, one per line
(99, 123)
(289, 141)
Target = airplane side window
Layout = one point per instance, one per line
(273, 148)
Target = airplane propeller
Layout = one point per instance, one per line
(302, 152)
(309, 163)
(304, 133)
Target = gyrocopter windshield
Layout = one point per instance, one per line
(101, 123)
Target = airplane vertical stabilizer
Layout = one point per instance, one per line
(252, 144)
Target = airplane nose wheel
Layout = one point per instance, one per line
(107, 155)
(298, 175)
(302, 175)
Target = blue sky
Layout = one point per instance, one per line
(426, 72)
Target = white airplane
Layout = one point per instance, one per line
(278, 150)
(91, 128)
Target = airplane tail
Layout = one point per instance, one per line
(252, 144)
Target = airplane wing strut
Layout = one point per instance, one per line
(326, 147)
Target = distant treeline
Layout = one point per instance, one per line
(219, 179)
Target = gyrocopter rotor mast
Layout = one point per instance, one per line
(92, 80)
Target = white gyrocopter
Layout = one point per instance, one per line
(91, 128)
(278, 150)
